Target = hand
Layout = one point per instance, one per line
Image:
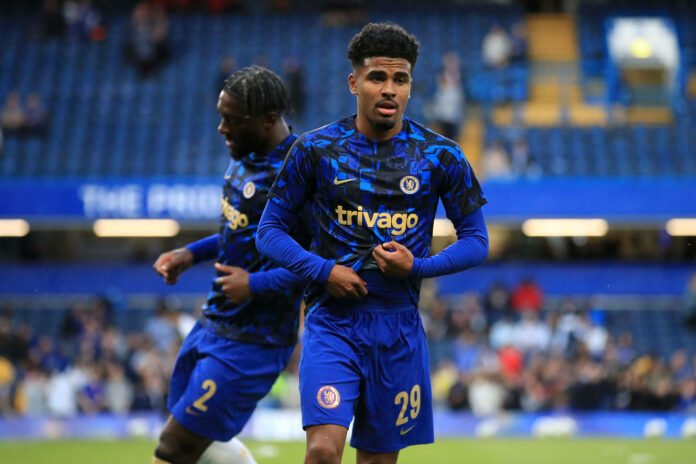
(235, 284)
(345, 283)
(172, 263)
(393, 259)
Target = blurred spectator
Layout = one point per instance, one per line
(531, 334)
(496, 301)
(13, 345)
(82, 20)
(13, 115)
(497, 48)
(486, 395)
(62, 391)
(437, 328)
(161, 328)
(496, 162)
(679, 366)
(295, 80)
(7, 379)
(458, 396)
(118, 392)
(444, 376)
(687, 396)
(447, 107)
(504, 331)
(595, 336)
(341, 13)
(521, 164)
(20, 120)
(690, 303)
(52, 19)
(91, 398)
(527, 297)
(511, 362)
(32, 393)
(35, 115)
(148, 47)
(591, 391)
(518, 43)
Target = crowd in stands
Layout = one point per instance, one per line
(502, 351)
(505, 353)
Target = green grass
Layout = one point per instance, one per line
(484, 451)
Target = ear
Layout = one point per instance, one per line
(352, 84)
(270, 119)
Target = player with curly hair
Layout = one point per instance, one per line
(373, 181)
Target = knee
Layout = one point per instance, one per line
(174, 450)
(323, 453)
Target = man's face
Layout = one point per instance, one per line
(243, 134)
(383, 87)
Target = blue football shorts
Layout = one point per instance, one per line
(217, 382)
(371, 365)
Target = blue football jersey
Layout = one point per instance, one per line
(270, 318)
(365, 193)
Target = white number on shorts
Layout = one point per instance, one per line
(406, 400)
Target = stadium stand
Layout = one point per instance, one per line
(108, 123)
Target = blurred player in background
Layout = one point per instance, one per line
(233, 356)
(374, 179)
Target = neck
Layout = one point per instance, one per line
(279, 132)
(372, 133)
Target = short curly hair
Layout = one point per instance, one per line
(383, 39)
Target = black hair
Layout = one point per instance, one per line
(258, 90)
(383, 39)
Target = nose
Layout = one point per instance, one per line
(221, 127)
(388, 89)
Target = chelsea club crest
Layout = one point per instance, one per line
(409, 185)
(249, 190)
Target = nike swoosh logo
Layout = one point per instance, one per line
(193, 412)
(339, 182)
(405, 431)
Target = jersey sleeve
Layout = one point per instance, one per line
(460, 192)
(296, 180)
(204, 249)
(275, 280)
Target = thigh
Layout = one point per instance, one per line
(228, 380)
(395, 406)
(329, 373)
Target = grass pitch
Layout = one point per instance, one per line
(484, 451)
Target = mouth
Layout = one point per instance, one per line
(229, 143)
(387, 108)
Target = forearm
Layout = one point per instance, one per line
(204, 249)
(470, 249)
(273, 241)
(275, 280)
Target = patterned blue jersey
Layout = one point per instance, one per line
(270, 318)
(365, 193)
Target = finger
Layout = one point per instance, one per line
(361, 289)
(223, 268)
(379, 252)
(390, 245)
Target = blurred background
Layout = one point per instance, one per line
(578, 116)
